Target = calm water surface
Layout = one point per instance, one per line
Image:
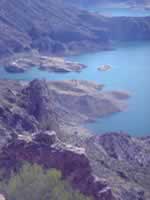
(130, 72)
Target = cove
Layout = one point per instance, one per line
(130, 72)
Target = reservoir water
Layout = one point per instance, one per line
(130, 72)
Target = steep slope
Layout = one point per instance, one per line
(46, 25)
(31, 107)
(92, 168)
(51, 27)
(105, 166)
(124, 161)
(47, 150)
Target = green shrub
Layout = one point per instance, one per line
(34, 183)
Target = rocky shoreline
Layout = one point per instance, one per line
(74, 102)
(24, 62)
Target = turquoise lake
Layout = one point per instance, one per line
(130, 72)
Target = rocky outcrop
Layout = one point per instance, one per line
(46, 150)
(125, 147)
(41, 105)
(26, 109)
(22, 63)
(123, 161)
(39, 102)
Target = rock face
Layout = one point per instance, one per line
(124, 161)
(35, 25)
(25, 62)
(46, 150)
(90, 168)
(41, 105)
(26, 109)
(124, 147)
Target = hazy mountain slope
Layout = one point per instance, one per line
(51, 27)
(45, 25)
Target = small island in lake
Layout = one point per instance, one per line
(104, 68)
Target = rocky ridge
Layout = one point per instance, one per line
(40, 105)
(22, 63)
(47, 150)
(123, 161)
(50, 27)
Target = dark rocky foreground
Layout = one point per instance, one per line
(124, 161)
(115, 177)
(46, 150)
(51, 27)
(33, 121)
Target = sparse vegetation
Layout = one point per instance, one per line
(32, 182)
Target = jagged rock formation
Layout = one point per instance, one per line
(46, 150)
(91, 168)
(40, 105)
(125, 147)
(26, 109)
(39, 102)
(49, 26)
